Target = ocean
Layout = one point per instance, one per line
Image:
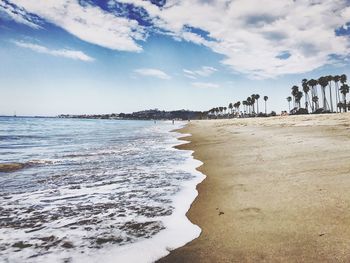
(94, 190)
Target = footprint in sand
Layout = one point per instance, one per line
(259, 158)
(251, 212)
(220, 212)
(240, 187)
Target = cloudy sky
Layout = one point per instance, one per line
(90, 56)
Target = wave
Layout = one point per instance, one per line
(20, 137)
(178, 229)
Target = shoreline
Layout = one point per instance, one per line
(276, 190)
(178, 229)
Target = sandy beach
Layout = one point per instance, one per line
(277, 190)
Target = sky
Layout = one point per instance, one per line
(95, 57)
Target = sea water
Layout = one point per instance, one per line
(94, 190)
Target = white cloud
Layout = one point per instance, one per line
(66, 53)
(205, 85)
(18, 15)
(89, 23)
(151, 72)
(189, 74)
(251, 34)
(205, 71)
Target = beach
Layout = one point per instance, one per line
(277, 190)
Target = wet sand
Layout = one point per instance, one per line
(277, 190)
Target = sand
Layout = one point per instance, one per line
(277, 190)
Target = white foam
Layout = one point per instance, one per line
(179, 230)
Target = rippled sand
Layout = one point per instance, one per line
(277, 190)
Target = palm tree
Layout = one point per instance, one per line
(323, 82)
(253, 102)
(343, 78)
(289, 99)
(313, 83)
(225, 109)
(330, 79)
(221, 109)
(315, 101)
(230, 106)
(340, 106)
(344, 89)
(336, 79)
(265, 99)
(295, 90)
(257, 97)
(245, 106)
(238, 105)
(298, 97)
(249, 103)
(306, 90)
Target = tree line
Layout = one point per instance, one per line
(323, 95)
(250, 108)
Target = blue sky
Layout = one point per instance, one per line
(68, 56)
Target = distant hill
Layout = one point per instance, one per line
(153, 114)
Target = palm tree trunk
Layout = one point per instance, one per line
(257, 106)
(312, 102)
(330, 95)
(345, 108)
(310, 105)
(265, 108)
(306, 101)
(317, 103)
(336, 96)
(338, 93)
(324, 98)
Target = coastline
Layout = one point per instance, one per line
(276, 190)
(178, 229)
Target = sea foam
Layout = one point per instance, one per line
(179, 230)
